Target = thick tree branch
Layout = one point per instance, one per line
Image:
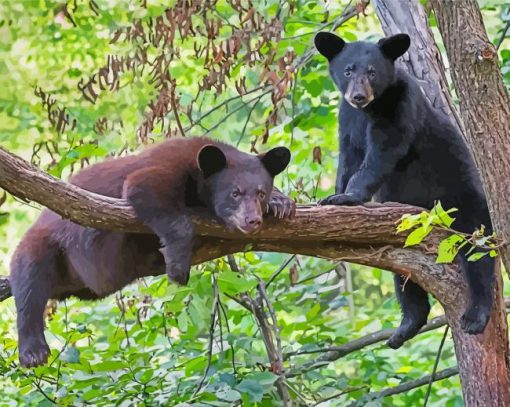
(361, 234)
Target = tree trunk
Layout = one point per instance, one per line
(482, 359)
(485, 110)
(484, 104)
(423, 60)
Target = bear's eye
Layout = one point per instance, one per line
(347, 73)
(261, 194)
(371, 72)
(236, 193)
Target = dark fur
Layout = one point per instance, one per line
(57, 258)
(395, 146)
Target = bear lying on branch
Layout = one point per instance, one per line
(58, 258)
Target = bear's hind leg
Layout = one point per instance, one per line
(415, 307)
(32, 269)
(480, 278)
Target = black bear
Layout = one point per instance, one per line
(57, 258)
(394, 146)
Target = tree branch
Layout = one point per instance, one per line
(333, 353)
(402, 388)
(360, 234)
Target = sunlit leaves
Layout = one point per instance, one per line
(448, 248)
(423, 224)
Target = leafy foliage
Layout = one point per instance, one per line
(424, 222)
(87, 79)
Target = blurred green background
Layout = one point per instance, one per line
(148, 344)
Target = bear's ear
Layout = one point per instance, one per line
(394, 46)
(210, 160)
(328, 44)
(275, 160)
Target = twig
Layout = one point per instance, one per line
(242, 106)
(304, 280)
(434, 369)
(50, 399)
(274, 353)
(232, 348)
(503, 34)
(342, 393)
(176, 112)
(336, 352)
(333, 353)
(233, 264)
(297, 393)
(282, 267)
(404, 387)
(349, 12)
(250, 112)
(293, 105)
(219, 106)
(214, 313)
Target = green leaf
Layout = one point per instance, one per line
(417, 235)
(264, 378)
(442, 215)
(252, 388)
(70, 355)
(408, 222)
(108, 366)
(228, 394)
(234, 283)
(312, 313)
(448, 248)
(477, 256)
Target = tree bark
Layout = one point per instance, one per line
(484, 104)
(423, 60)
(485, 110)
(482, 359)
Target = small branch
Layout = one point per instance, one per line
(342, 393)
(333, 353)
(349, 12)
(404, 387)
(434, 369)
(277, 354)
(282, 267)
(503, 34)
(220, 105)
(214, 314)
(175, 110)
(256, 99)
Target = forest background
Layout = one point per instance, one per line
(88, 79)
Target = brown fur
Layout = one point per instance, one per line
(58, 258)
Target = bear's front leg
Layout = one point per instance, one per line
(384, 150)
(177, 239)
(157, 196)
(280, 205)
(341, 199)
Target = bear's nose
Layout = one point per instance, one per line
(359, 98)
(254, 221)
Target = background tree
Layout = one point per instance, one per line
(87, 79)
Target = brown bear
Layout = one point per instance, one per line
(58, 258)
